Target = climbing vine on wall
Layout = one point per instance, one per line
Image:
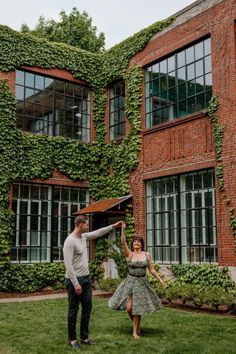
(233, 225)
(218, 131)
(26, 156)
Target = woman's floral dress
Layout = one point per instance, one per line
(137, 286)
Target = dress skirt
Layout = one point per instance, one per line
(144, 298)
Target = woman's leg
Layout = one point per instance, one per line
(138, 330)
(129, 308)
(136, 322)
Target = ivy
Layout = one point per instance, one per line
(218, 131)
(233, 225)
(26, 156)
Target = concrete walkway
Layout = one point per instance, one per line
(52, 296)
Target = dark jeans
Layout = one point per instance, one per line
(73, 306)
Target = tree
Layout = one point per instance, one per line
(75, 29)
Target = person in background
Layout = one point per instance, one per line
(77, 279)
(135, 293)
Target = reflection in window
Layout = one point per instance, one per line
(53, 107)
(117, 110)
(181, 218)
(179, 85)
(43, 219)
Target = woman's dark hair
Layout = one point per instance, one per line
(140, 239)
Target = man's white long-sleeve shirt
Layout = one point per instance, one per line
(76, 255)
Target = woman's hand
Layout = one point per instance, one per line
(118, 224)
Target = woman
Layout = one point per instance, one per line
(135, 293)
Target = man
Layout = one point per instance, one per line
(77, 279)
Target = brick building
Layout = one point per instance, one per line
(177, 203)
(184, 217)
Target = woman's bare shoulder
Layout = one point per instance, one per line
(129, 256)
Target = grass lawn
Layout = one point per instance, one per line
(39, 327)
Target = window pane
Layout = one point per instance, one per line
(20, 77)
(163, 67)
(199, 84)
(199, 68)
(189, 55)
(207, 64)
(39, 82)
(49, 84)
(155, 71)
(171, 63)
(199, 51)
(19, 93)
(29, 79)
(207, 46)
(181, 75)
(181, 59)
(190, 72)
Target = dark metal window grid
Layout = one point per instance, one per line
(51, 106)
(43, 219)
(117, 110)
(181, 220)
(178, 85)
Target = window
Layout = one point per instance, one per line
(53, 107)
(181, 221)
(117, 110)
(179, 85)
(43, 220)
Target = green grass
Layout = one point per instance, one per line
(40, 327)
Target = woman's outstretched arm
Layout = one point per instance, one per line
(125, 247)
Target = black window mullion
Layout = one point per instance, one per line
(53, 221)
(169, 233)
(179, 227)
(189, 211)
(54, 110)
(40, 237)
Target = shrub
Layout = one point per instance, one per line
(109, 284)
(203, 275)
(30, 278)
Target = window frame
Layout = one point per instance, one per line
(181, 222)
(52, 106)
(29, 249)
(169, 93)
(117, 110)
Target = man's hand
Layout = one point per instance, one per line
(117, 224)
(78, 289)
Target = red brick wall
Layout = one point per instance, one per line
(59, 178)
(187, 144)
(10, 78)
